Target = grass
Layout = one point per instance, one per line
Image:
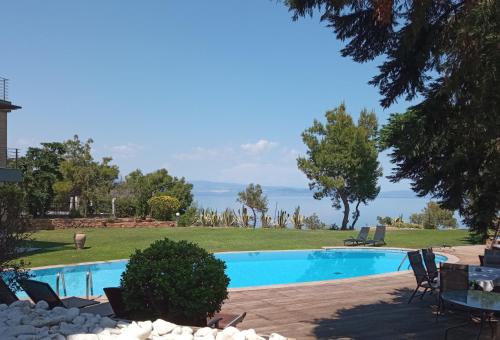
(109, 244)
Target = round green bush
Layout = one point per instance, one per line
(177, 281)
(125, 206)
(163, 207)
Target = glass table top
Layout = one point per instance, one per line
(475, 299)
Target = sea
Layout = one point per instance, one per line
(219, 196)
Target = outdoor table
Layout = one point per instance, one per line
(475, 301)
(485, 277)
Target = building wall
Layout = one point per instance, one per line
(3, 139)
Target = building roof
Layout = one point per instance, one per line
(6, 105)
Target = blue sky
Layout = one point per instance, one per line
(216, 91)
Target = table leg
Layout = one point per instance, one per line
(480, 326)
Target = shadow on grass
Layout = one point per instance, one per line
(394, 318)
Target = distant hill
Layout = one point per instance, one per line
(224, 189)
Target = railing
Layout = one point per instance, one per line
(9, 158)
(89, 289)
(60, 279)
(4, 89)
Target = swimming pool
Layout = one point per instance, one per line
(249, 269)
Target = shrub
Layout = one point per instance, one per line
(313, 222)
(14, 235)
(163, 207)
(125, 206)
(189, 218)
(177, 281)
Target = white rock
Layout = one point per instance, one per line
(19, 303)
(251, 335)
(206, 331)
(206, 337)
(163, 327)
(186, 330)
(59, 310)
(107, 323)
(83, 337)
(275, 336)
(3, 306)
(42, 305)
(133, 331)
(177, 330)
(27, 337)
(71, 314)
(146, 325)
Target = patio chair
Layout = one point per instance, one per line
(491, 258)
(451, 277)
(7, 296)
(379, 237)
(421, 276)
(430, 264)
(41, 291)
(361, 239)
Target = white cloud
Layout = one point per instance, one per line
(200, 153)
(259, 147)
(124, 151)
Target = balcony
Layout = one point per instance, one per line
(9, 165)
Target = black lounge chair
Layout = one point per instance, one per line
(361, 239)
(115, 298)
(379, 237)
(430, 264)
(7, 296)
(222, 320)
(41, 291)
(421, 276)
(491, 258)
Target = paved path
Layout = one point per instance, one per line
(360, 308)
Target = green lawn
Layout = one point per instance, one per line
(109, 244)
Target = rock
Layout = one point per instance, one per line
(163, 327)
(19, 330)
(71, 314)
(3, 306)
(42, 305)
(19, 304)
(79, 320)
(230, 333)
(107, 323)
(69, 329)
(275, 336)
(133, 331)
(206, 331)
(146, 325)
(251, 335)
(59, 310)
(186, 330)
(83, 337)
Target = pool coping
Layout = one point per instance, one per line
(450, 259)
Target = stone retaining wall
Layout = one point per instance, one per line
(97, 222)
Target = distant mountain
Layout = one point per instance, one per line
(223, 189)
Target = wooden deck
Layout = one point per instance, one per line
(361, 308)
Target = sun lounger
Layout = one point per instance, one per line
(361, 239)
(379, 237)
(41, 291)
(115, 298)
(7, 296)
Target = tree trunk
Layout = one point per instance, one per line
(254, 218)
(345, 220)
(356, 215)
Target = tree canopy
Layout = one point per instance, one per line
(341, 160)
(40, 168)
(447, 54)
(254, 198)
(434, 217)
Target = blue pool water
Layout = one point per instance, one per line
(247, 269)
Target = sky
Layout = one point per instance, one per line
(217, 91)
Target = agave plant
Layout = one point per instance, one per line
(297, 219)
(282, 219)
(243, 218)
(228, 218)
(265, 220)
(204, 218)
